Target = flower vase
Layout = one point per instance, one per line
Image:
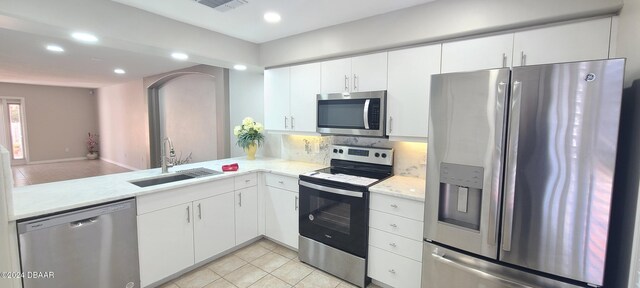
(251, 151)
(92, 155)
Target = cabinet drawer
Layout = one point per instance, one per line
(409, 228)
(173, 197)
(397, 244)
(393, 269)
(397, 206)
(244, 181)
(282, 182)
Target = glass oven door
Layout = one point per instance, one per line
(334, 216)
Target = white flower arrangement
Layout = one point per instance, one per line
(249, 133)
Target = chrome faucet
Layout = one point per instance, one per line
(163, 155)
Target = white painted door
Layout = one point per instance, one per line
(276, 99)
(565, 43)
(214, 227)
(165, 240)
(369, 72)
(477, 54)
(410, 73)
(305, 85)
(246, 210)
(282, 216)
(336, 76)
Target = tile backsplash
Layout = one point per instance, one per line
(410, 158)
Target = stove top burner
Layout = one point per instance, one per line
(331, 175)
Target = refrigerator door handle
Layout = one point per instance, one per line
(492, 233)
(481, 274)
(512, 158)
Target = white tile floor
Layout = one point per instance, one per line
(31, 174)
(261, 264)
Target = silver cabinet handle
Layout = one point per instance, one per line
(392, 271)
(240, 199)
(504, 60)
(247, 181)
(355, 84)
(390, 124)
(523, 58)
(188, 214)
(200, 211)
(393, 225)
(511, 165)
(292, 123)
(281, 182)
(346, 83)
(286, 125)
(393, 245)
(393, 206)
(296, 203)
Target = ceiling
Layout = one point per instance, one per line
(246, 21)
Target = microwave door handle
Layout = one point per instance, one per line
(366, 113)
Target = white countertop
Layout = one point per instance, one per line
(41, 199)
(402, 186)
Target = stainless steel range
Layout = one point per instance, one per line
(334, 210)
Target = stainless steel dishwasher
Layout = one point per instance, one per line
(92, 247)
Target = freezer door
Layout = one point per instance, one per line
(563, 131)
(464, 163)
(444, 268)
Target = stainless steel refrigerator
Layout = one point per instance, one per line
(520, 174)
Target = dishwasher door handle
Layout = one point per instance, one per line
(84, 222)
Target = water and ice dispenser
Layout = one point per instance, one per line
(460, 195)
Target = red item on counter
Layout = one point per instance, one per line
(230, 167)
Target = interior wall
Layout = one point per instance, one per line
(188, 117)
(124, 123)
(433, 21)
(246, 99)
(57, 119)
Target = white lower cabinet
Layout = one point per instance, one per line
(246, 214)
(395, 240)
(281, 209)
(213, 221)
(165, 242)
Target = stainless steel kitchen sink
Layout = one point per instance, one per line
(177, 176)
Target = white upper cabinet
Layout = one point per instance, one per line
(336, 76)
(369, 72)
(276, 99)
(305, 85)
(477, 54)
(357, 74)
(579, 41)
(410, 73)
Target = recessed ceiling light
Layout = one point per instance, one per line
(84, 37)
(272, 17)
(54, 48)
(240, 67)
(119, 71)
(179, 56)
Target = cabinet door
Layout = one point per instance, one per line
(369, 72)
(165, 239)
(305, 85)
(410, 73)
(246, 203)
(565, 43)
(336, 76)
(477, 54)
(214, 227)
(276, 99)
(282, 216)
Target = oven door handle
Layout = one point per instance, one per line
(332, 190)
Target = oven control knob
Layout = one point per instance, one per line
(340, 151)
(311, 217)
(384, 155)
(335, 150)
(377, 154)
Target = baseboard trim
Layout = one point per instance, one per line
(56, 160)
(119, 164)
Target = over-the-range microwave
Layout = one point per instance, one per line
(357, 114)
